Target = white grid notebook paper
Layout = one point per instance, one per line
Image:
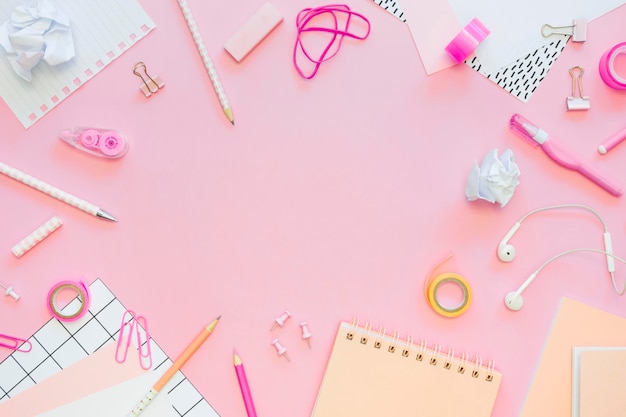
(101, 29)
(57, 345)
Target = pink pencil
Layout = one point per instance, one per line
(243, 384)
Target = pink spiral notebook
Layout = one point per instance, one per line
(372, 374)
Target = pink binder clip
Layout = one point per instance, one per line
(133, 324)
(577, 101)
(150, 84)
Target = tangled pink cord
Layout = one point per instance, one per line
(303, 20)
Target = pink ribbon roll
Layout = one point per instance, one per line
(607, 67)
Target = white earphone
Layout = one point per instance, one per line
(514, 301)
(506, 251)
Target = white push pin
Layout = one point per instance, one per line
(280, 320)
(280, 349)
(9, 292)
(306, 334)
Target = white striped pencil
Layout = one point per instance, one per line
(206, 60)
(48, 189)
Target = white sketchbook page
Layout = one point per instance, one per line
(102, 31)
(516, 26)
(577, 365)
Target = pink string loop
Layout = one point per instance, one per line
(340, 19)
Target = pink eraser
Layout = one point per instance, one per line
(253, 32)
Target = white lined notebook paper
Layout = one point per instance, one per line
(102, 31)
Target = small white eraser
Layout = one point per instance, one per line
(253, 32)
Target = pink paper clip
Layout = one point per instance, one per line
(131, 322)
(14, 343)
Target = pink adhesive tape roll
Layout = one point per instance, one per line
(607, 67)
(81, 291)
(467, 40)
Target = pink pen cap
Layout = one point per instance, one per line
(525, 129)
(612, 142)
(467, 40)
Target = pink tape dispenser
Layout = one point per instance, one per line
(106, 143)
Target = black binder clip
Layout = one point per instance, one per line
(578, 30)
(150, 84)
(577, 101)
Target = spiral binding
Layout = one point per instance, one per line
(420, 352)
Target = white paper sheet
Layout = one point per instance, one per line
(102, 31)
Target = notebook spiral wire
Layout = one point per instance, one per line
(380, 340)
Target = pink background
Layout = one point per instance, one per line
(333, 197)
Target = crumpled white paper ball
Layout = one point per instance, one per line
(495, 180)
(37, 30)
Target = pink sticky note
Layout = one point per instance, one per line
(92, 374)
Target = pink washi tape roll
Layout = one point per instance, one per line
(467, 40)
(83, 297)
(607, 67)
(37, 236)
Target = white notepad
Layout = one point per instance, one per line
(102, 31)
(598, 380)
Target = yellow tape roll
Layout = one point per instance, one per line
(431, 294)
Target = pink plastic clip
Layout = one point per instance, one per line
(131, 322)
(14, 343)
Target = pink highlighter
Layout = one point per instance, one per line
(559, 154)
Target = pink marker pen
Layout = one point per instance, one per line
(559, 154)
